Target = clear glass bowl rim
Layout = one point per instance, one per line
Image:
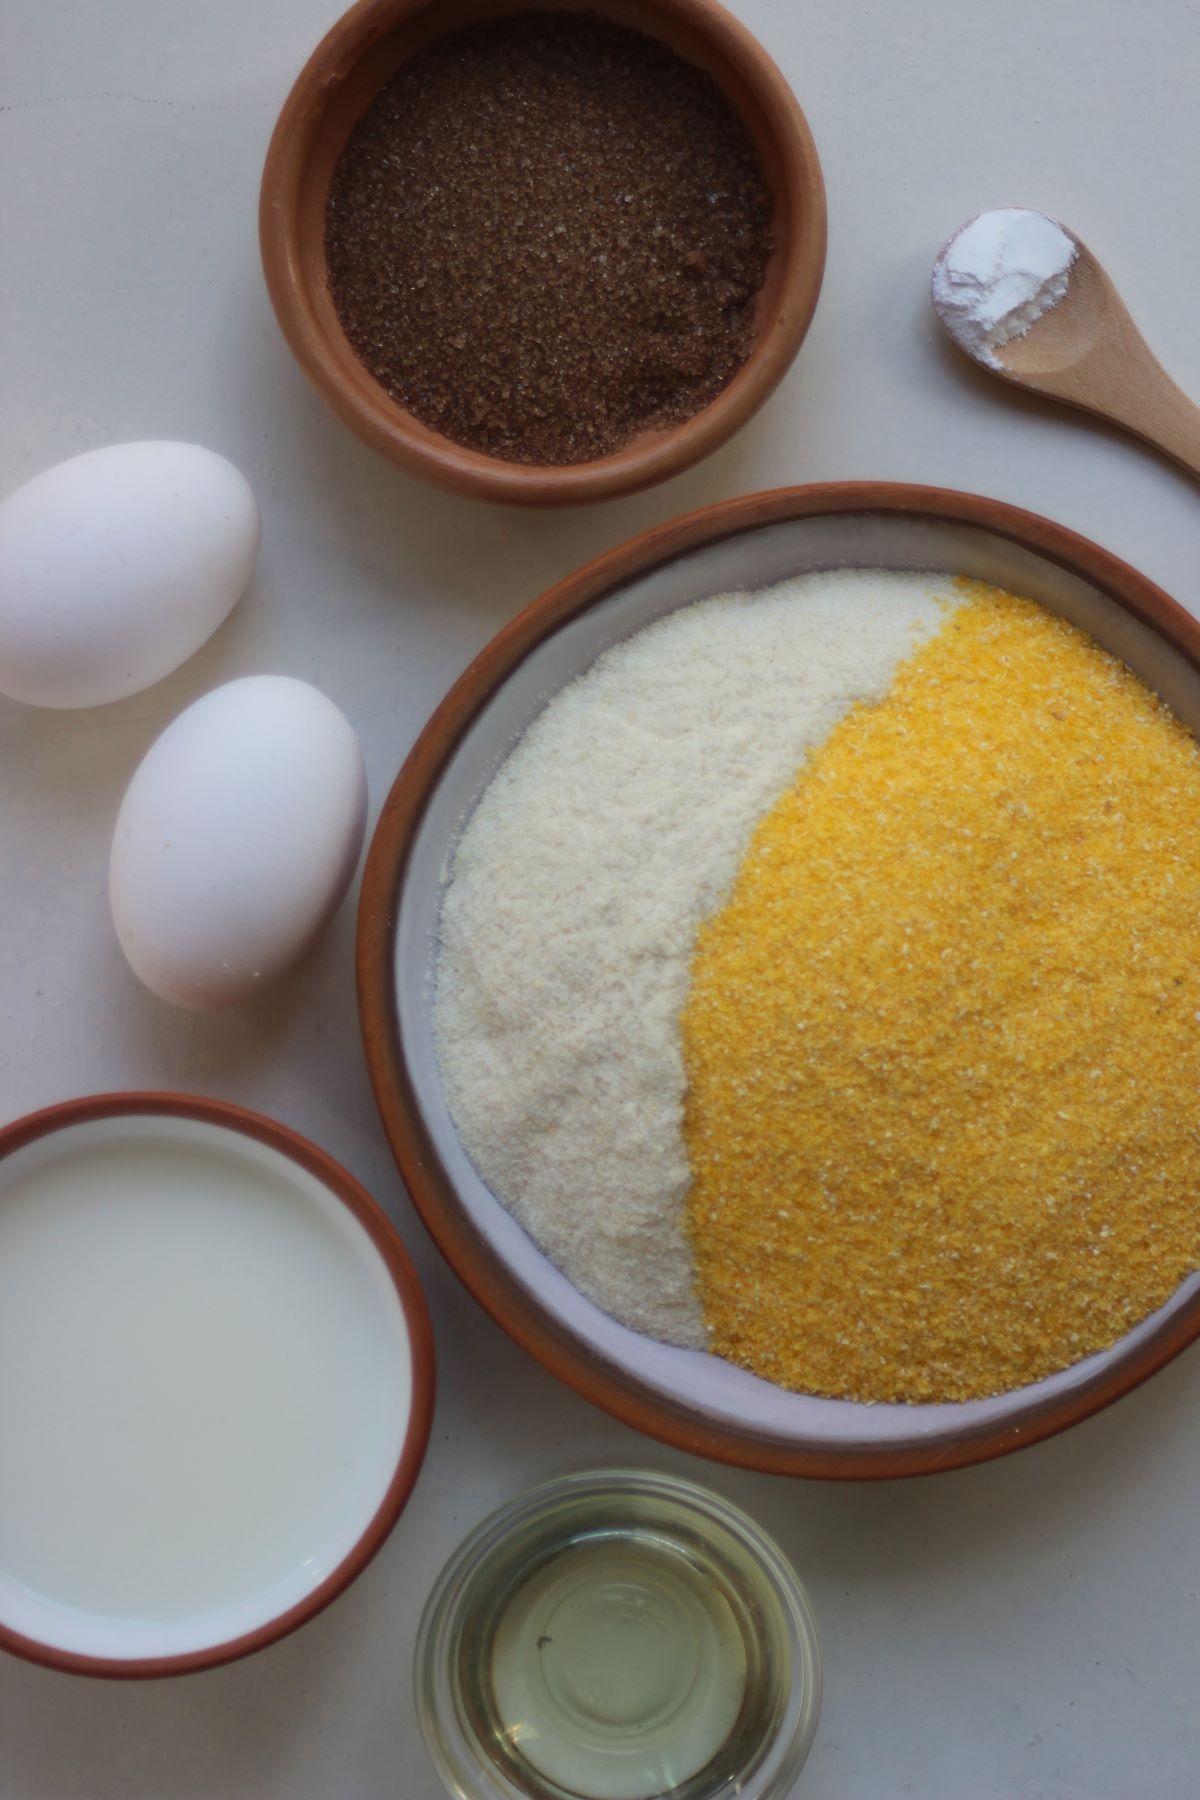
(463, 1765)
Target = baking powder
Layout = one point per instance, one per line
(998, 275)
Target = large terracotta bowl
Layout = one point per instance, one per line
(689, 1399)
(334, 89)
(67, 1628)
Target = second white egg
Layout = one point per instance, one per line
(236, 840)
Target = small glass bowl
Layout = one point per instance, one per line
(703, 1618)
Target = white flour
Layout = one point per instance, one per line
(998, 276)
(613, 829)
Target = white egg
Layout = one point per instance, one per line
(116, 566)
(236, 840)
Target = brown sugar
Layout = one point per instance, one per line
(545, 236)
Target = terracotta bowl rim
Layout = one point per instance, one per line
(510, 1305)
(49, 1120)
(383, 424)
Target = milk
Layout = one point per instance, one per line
(204, 1383)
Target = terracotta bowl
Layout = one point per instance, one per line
(334, 89)
(215, 1329)
(695, 1401)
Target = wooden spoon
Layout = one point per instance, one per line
(1087, 351)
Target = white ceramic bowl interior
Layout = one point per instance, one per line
(228, 1370)
(707, 1385)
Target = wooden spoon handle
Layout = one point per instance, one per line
(1162, 414)
(1115, 374)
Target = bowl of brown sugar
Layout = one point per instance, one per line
(542, 255)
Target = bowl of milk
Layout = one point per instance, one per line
(216, 1383)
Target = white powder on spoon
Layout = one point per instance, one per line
(999, 275)
(613, 829)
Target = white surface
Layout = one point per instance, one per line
(1030, 1628)
(205, 1381)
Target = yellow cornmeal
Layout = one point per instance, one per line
(943, 1040)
